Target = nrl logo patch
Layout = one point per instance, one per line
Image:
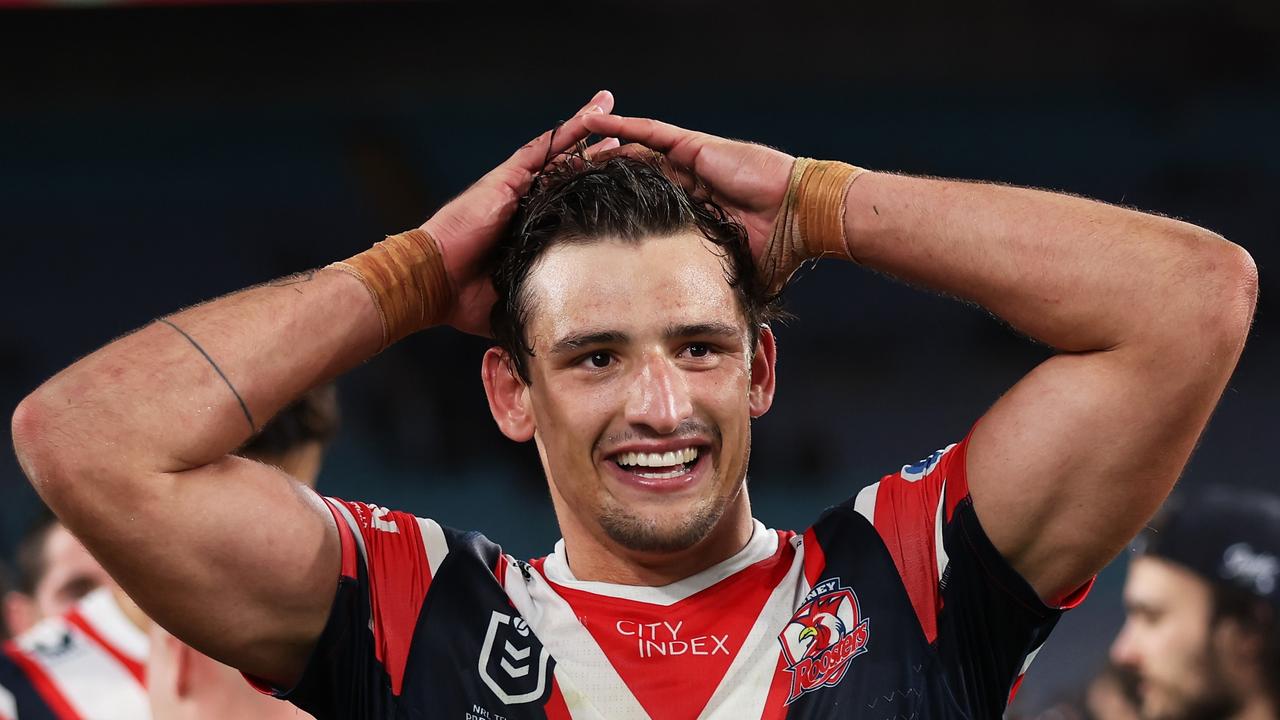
(513, 663)
(824, 635)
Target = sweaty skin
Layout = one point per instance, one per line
(639, 347)
(1150, 315)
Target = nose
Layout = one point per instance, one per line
(659, 396)
(1124, 651)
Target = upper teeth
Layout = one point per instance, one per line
(666, 459)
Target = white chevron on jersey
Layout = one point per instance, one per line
(86, 672)
(865, 502)
(940, 547)
(589, 682)
(582, 669)
(104, 615)
(745, 687)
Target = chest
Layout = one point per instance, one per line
(763, 645)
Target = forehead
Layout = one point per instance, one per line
(1158, 582)
(629, 285)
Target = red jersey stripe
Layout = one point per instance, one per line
(814, 559)
(347, 541)
(43, 684)
(399, 577)
(134, 667)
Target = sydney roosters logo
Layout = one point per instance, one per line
(824, 635)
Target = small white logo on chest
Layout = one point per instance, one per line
(662, 639)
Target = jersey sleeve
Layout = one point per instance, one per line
(389, 560)
(984, 620)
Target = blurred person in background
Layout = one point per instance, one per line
(1111, 695)
(6, 587)
(54, 572)
(91, 657)
(1201, 635)
(1107, 696)
(633, 350)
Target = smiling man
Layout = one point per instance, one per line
(633, 348)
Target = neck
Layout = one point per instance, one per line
(593, 556)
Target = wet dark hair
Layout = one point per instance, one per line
(1257, 617)
(311, 418)
(576, 199)
(29, 559)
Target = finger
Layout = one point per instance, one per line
(638, 151)
(675, 142)
(533, 155)
(603, 146)
(602, 99)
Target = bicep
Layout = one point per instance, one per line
(1069, 464)
(236, 558)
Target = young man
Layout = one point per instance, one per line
(1202, 637)
(54, 572)
(91, 659)
(632, 353)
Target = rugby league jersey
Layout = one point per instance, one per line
(88, 664)
(892, 605)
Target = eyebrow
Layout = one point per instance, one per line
(589, 338)
(707, 329)
(577, 341)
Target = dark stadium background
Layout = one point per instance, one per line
(151, 157)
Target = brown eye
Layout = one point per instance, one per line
(599, 359)
(699, 351)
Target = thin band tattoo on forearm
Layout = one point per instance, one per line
(253, 428)
(294, 279)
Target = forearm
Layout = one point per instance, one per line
(190, 388)
(1075, 274)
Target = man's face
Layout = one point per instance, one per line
(70, 573)
(1168, 643)
(642, 389)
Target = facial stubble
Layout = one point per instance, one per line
(647, 534)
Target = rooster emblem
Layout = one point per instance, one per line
(823, 636)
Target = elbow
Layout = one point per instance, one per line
(30, 431)
(47, 450)
(1209, 313)
(1232, 299)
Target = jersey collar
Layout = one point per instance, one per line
(762, 545)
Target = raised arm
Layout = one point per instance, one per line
(1149, 316)
(131, 445)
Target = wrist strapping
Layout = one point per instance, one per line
(810, 223)
(405, 276)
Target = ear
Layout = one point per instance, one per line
(1240, 641)
(19, 612)
(763, 364)
(508, 395)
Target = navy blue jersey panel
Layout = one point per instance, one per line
(991, 618)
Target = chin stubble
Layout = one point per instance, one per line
(646, 535)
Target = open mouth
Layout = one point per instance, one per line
(659, 466)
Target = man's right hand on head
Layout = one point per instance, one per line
(467, 228)
(748, 180)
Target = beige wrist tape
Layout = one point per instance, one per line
(810, 223)
(405, 276)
